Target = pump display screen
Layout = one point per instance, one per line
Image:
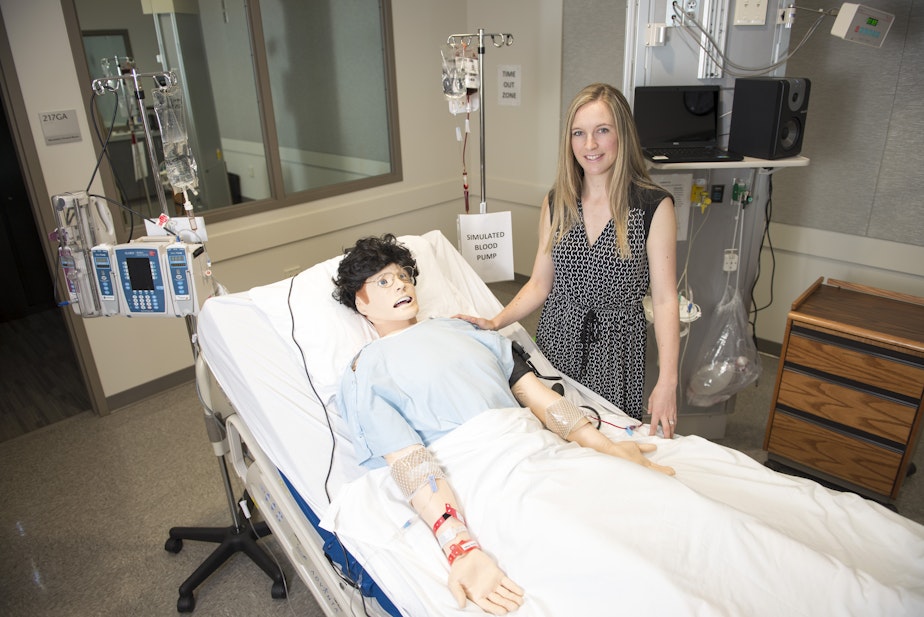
(139, 273)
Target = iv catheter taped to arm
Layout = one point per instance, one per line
(414, 470)
(562, 417)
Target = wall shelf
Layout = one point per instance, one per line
(747, 163)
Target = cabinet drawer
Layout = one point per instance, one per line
(857, 409)
(856, 365)
(838, 455)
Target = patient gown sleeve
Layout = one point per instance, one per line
(372, 413)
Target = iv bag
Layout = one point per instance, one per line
(728, 361)
(178, 157)
(461, 79)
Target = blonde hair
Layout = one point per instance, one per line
(628, 169)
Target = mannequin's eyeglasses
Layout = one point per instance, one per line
(388, 279)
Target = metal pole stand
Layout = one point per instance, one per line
(235, 538)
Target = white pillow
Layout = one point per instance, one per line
(330, 334)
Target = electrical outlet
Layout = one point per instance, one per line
(750, 12)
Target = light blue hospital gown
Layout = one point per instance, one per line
(418, 384)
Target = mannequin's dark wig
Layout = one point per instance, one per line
(370, 255)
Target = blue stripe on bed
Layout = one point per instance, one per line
(337, 553)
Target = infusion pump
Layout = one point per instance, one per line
(154, 276)
(150, 277)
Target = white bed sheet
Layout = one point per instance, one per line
(724, 523)
(586, 534)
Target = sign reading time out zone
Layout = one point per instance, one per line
(508, 84)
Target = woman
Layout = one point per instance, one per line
(607, 234)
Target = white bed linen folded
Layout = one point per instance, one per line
(586, 534)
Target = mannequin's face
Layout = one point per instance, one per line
(389, 300)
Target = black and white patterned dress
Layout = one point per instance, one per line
(592, 326)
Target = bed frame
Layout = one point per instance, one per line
(277, 504)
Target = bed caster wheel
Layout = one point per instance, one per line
(186, 604)
(173, 545)
(279, 589)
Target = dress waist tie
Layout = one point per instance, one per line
(590, 333)
(590, 329)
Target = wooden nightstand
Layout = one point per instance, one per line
(847, 404)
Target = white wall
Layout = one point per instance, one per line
(256, 250)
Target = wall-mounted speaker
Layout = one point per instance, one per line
(768, 116)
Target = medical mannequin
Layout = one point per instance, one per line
(421, 380)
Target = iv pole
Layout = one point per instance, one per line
(506, 40)
(101, 86)
(237, 537)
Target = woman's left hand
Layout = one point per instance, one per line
(662, 405)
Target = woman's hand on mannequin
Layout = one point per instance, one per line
(478, 322)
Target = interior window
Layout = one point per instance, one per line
(286, 101)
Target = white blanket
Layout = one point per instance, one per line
(586, 534)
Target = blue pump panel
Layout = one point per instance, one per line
(142, 278)
(179, 271)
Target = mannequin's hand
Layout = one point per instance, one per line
(477, 577)
(635, 452)
(480, 322)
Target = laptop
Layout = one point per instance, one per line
(680, 124)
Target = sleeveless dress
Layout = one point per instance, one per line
(592, 326)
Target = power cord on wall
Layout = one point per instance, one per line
(768, 213)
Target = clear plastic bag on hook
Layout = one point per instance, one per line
(729, 361)
(460, 77)
(178, 157)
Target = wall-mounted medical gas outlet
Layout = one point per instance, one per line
(712, 19)
(750, 12)
(673, 15)
(730, 263)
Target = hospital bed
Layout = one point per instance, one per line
(583, 533)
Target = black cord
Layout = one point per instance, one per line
(104, 151)
(132, 212)
(345, 577)
(768, 214)
(105, 145)
(330, 428)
